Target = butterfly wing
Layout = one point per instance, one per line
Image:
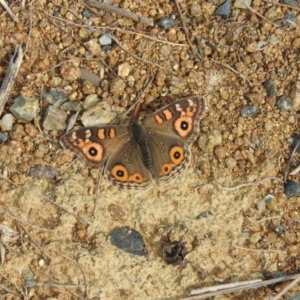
(171, 130)
(126, 169)
(93, 145)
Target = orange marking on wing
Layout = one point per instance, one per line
(158, 119)
(120, 173)
(79, 143)
(165, 170)
(176, 155)
(93, 151)
(101, 134)
(168, 114)
(137, 177)
(183, 126)
(112, 133)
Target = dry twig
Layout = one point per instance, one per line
(6, 7)
(256, 182)
(238, 286)
(10, 77)
(120, 11)
(186, 30)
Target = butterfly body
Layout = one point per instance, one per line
(145, 153)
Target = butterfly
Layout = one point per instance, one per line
(142, 154)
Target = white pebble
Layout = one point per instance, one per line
(7, 122)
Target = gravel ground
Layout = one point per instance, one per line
(60, 247)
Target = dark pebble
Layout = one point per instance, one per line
(55, 97)
(290, 19)
(128, 240)
(106, 48)
(166, 23)
(290, 2)
(224, 10)
(284, 103)
(270, 87)
(28, 278)
(291, 188)
(295, 141)
(249, 111)
(86, 13)
(279, 230)
(204, 214)
(56, 14)
(3, 138)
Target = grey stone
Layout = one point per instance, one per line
(71, 106)
(56, 97)
(24, 108)
(55, 119)
(98, 115)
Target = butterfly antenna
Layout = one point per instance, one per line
(137, 110)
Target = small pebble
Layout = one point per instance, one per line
(279, 230)
(204, 214)
(90, 101)
(24, 108)
(55, 97)
(124, 69)
(291, 188)
(270, 87)
(71, 106)
(86, 13)
(98, 115)
(249, 111)
(28, 277)
(224, 10)
(105, 40)
(3, 138)
(128, 240)
(6, 122)
(261, 205)
(55, 119)
(271, 203)
(230, 162)
(290, 19)
(109, 47)
(166, 23)
(195, 10)
(284, 103)
(243, 4)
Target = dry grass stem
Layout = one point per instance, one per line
(186, 30)
(239, 286)
(120, 11)
(287, 288)
(256, 182)
(12, 15)
(10, 77)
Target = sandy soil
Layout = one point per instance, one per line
(64, 224)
